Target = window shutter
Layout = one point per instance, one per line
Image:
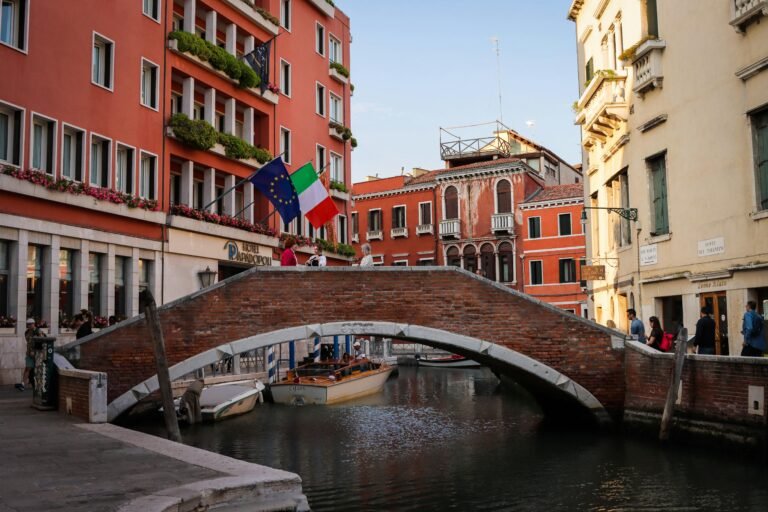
(761, 150)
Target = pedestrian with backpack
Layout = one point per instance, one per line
(753, 330)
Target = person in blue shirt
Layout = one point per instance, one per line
(636, 327)
(753, 329)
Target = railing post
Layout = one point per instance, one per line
(271, 369)
(316, 349)
(669, 406)
(348, 343)
(336, 348)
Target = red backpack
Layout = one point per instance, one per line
(667, 342)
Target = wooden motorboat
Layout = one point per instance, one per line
(330, 382)
(453, 361)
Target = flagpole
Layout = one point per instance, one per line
(254, 173)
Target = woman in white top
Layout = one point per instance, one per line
(367, 259)
(318, 259)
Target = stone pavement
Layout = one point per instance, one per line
(52, 462)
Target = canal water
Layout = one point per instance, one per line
(450, 439)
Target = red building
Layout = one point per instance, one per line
(554, 247)
(468, 214)
(124, 124)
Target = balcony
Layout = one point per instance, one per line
(324, 7)
(503, 223)
(425, 229)
(399, 233)
(336, 75)
(603, 107)
(355, 238)
(744, 12)
(476, 148)
(450, 228)
(374, 235)
(251, 11)
(334, 133)
(647, 66)
(339, 194)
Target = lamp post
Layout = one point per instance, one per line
(207, 277)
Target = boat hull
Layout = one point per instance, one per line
(449, 363)
(225, 401)
(307, 393)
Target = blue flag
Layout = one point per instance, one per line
(273, 181)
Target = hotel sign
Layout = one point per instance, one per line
(592, 272)
(246, 252)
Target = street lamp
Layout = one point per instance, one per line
(626, 213)
(207, 277)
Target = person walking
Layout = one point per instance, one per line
(636, 327)
(288, 258)
(29, 358)
(367, 259)
(657, 333)
(86, 326)
(752, 327)
(704, 340)
(318, 259)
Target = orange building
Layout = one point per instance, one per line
(554, 247)
(123, 126)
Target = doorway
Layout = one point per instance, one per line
(718, 308)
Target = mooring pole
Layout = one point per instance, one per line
(163, 377)
(669, 406)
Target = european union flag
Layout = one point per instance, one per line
(273, 181)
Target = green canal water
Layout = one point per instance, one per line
(439, 439)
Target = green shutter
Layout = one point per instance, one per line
(660, 214)
(761, 158)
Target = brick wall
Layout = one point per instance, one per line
(267, 299)
(714, 388)
(81, 395)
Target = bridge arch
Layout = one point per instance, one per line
(500, 358)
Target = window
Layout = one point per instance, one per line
(425, 213)
(426, 262)
(285, 144)
(145, 282)
(503, 197)
(178, 23)
(5, 276)
(658, 171)
(43, 144)
(398, 217)
(11, 124)
(651, 18)
(198, 193)
(13, 17)
(148, 176)
(506, 263)
(564, 224)
(374, 220)
(568, 270)
(400, 263)
(151, 8)
(334, 50)
(337, 168)
(355, 224)
(175, 103)
(218, 193)
(470, 258)
(589, 70)
(285, 77)
(175, 189)
(488, 261)
(149, 84)
(320, 39)
(320, 100)
(101, 67)
(536, 272)
(452, 257)
(337, 115)
(342, 229)
(617, 191)
(121, 290)
(35, 279)
(100, 155)
(198, 112)
(285, 14)
(218, 121)
(124, 172)
(759, 123)
(534, 227)
(66, 285)
(320, 160)
(72, 141)
(451, 203)
(94, 283)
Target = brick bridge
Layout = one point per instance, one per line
(572, 366)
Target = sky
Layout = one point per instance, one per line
(419, 65)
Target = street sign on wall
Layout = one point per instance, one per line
(592, 272)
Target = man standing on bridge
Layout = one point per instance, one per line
(636, 327)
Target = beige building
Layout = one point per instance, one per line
(673, 109)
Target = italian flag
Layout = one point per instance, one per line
(314, 200)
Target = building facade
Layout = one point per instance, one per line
(673, 119)
(120, 136)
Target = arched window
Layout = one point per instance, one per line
(452, 257)
(488, 263)
(470, 258)
(503, 197)
(506, 266)
(451, 203)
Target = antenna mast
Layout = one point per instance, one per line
(495, 41)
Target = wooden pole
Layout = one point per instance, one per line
(163, 377)
(669, 406)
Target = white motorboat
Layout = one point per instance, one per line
(221, 401)
(454, 361)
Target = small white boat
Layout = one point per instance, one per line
(330, 382)
(454, 361)
(221, 401)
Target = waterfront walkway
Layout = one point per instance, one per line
(52, 462)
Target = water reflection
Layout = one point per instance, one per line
(441, 439)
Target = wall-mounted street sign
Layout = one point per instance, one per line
(592, 272)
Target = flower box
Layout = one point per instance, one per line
(334, 73)
(335, 134)
(324, 7)
(338, 194)
(248, 10)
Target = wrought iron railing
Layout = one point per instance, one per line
(474, 147)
